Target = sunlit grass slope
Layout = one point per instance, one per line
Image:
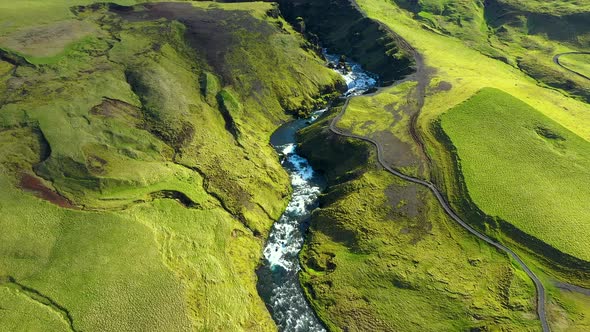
(137, 182)
(467, 71)
(524, 168)
(16, 15)
(523, 34)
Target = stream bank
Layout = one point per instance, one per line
(278, 282)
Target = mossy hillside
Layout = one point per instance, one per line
(386, 117)
(540, 161)
(255, 78)
(151, 267)
(164, 201)
(157, 78)
(338, 158)
(382, 256)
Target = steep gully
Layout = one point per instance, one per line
(278, 282)
(421, 77)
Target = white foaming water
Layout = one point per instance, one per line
(357, 80)
(286, 238)
(284, 295)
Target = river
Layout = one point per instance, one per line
(278, 277)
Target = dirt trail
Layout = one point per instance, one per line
(572, 288)
(421, 77)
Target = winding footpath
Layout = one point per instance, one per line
(557, 62)
(421, 77)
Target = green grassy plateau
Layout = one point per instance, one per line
(524, 168)
(137, 182)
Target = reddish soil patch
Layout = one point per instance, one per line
(33, 184)
(110, 108)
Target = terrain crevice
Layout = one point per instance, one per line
(238, 216)
(176, 195)
(14, 58)
(43, 299)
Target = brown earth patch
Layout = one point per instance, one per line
(395, 151)
(443, 86)
(34, 185)
(114, 108)
(404, 200)
(407, 203)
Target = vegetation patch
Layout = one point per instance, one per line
(523, 167)
(48, 40)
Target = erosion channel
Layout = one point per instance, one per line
(279, 275)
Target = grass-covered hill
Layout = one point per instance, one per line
(137, 182)
(523, 167)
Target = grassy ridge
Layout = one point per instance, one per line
(137, 180)
(523, 167)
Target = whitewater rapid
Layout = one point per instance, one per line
(279, 276)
